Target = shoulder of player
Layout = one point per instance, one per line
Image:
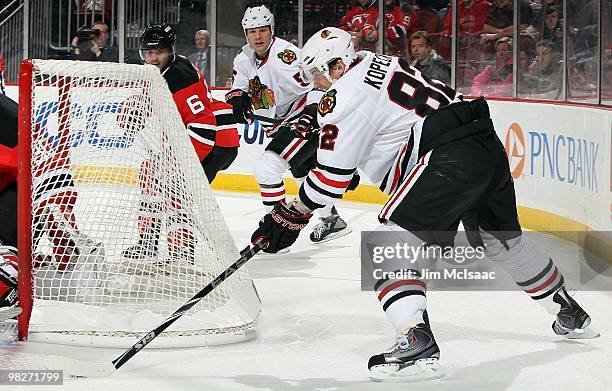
(373, 70)
(284, 52)
(180, 74)
(244, 60)
(356, 89)
(243, 55)
(280, 44)
(339, 101)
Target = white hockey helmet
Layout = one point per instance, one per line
(257, 17)
(323, 48)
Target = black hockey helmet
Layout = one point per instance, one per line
(158, 36)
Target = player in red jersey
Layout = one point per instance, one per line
(213, 133)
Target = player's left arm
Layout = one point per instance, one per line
(194, 105)
(343, 141)
(345, 137)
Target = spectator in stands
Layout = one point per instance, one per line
(91, 44)
(496, 80)
(537, 23)
(356, 19)
(544, 76)
(500, 20)
(426, 59)
(201, 57)
(400, 23)
(440, 7)
(472, 16)
(524, 61)
(552, 29)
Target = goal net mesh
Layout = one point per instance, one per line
(124, 225)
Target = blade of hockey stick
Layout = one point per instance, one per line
(80, 368)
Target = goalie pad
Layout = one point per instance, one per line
(8, 277)
(9, 313)
(8, 331)
(8, 294)
(75, 262)
(54, 217)
(81, 273)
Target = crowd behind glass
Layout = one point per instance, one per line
(420, 31)
(551, 34)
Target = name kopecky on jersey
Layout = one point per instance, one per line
(370, 117)
(377, 71)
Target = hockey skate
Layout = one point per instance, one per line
(142, 250)
(572, 321)
(329, 228)
(413, 357)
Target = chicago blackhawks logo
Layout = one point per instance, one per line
(327, 103)
(261, 96)
(287, 56)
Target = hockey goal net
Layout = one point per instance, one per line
(118, 226)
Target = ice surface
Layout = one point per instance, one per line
(318, 330)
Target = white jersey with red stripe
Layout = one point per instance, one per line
(274, 83)
(371, 119)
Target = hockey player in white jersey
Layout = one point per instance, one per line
(441, 161)
(267, 81)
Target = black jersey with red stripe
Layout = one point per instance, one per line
(193, 101)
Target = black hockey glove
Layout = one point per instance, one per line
(241, 106)
(307, 125)
(280, 228)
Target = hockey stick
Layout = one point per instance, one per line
(80, 368)
(266, 119)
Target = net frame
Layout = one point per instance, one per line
(230, 315)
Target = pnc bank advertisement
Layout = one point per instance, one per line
(561, 164)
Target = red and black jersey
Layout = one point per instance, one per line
(399, 26)
(472, 17)
(8, 142)
(357, 18)
(227, 130)
(193, 101)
